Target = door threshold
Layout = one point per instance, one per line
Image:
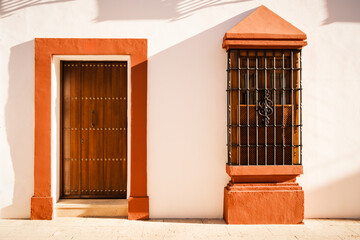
(92, 208)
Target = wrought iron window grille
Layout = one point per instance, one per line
(264, 110)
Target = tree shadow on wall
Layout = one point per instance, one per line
(342, 11)
(19, 122)
(186, 115)
(154, 9)
(9, 7)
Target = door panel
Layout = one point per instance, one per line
(94, 129)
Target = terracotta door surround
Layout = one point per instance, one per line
(42, 203)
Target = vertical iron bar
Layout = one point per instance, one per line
(72, 72)
(80, 131)
(228, 107)
(300, 107)
(256, 108)
(265, 123)
(283, 107)
(291, 104)
(274, 95)
(80, 119)
(103, 132)
(239, 106)
(247, 107)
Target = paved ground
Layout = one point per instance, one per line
(108, 229)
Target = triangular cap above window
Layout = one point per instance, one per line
(264, 29)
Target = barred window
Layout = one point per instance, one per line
(264, 93)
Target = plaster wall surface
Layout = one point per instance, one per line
(187, 98)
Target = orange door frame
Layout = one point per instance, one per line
(42, 206)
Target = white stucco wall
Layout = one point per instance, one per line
(186, 96)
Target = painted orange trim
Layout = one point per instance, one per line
(275, 203)
(263, 174)
(264, 29)
(138, 208)
(264, 170)
(263, 44)
(259, 36)
(42, 202)
(41, 208)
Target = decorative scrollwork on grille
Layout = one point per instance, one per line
(265, 107)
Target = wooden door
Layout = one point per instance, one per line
(94, 129)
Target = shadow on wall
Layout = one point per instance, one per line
(342, 11)
(187, 126)
(155, 9)
(9, 7)
(335, 200)
(19, 122)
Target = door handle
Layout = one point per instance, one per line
(92, 118)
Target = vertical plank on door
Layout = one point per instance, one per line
(115, 145)
(108, 133)
(74, 127)
(123, 125)
(98, 124)
(85, 113)
(95, 132)
(66, 126)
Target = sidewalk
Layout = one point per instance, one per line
(109, 229)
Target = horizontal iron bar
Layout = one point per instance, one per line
(263, 145)
(261, 50)
(239, 164)
(262, 89)
(229, 69)
(276, 125)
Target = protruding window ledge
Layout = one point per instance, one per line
(264, 174)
